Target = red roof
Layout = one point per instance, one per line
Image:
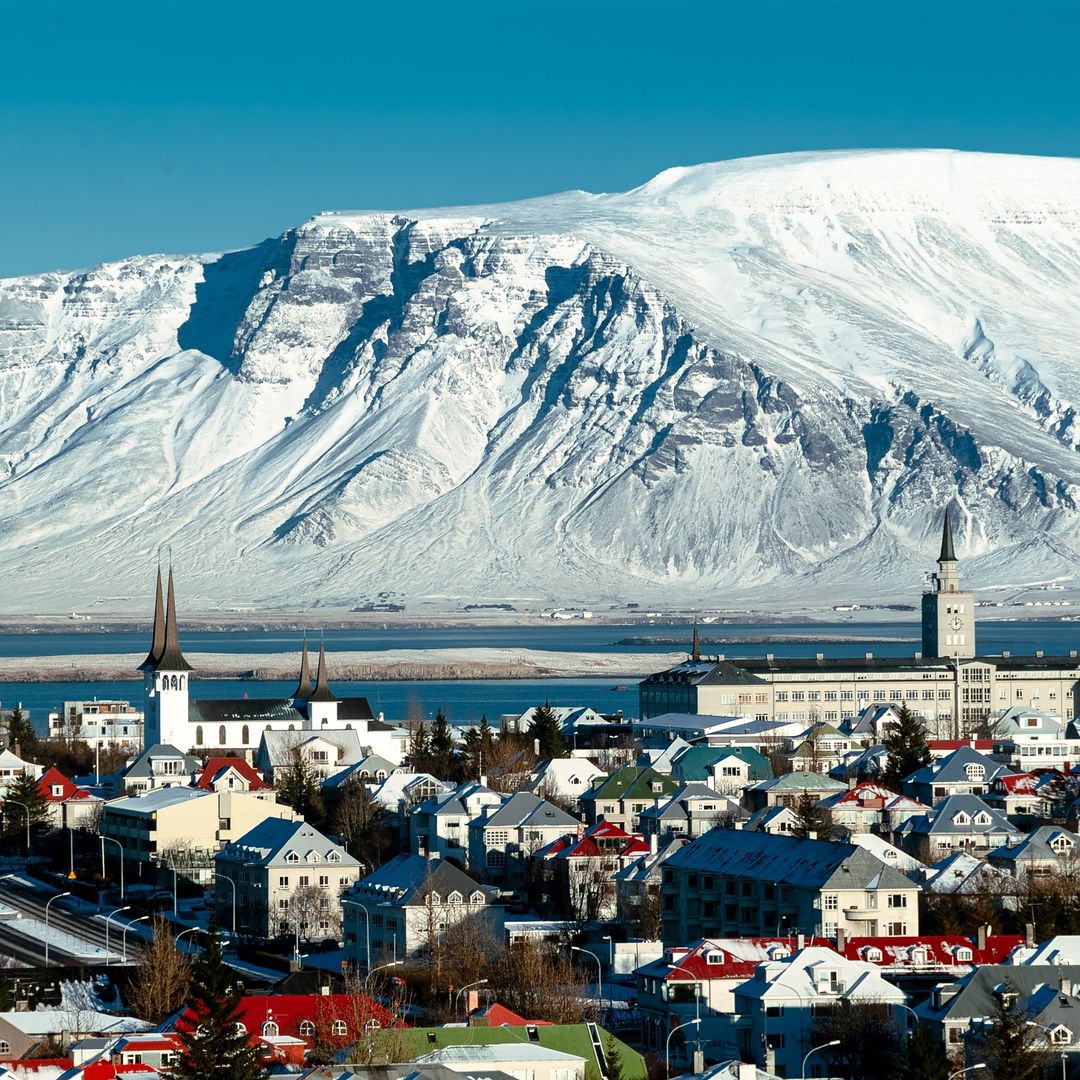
(941, 950)
(216, 767)
(730, 957)
(585, 845)
(53, 777)
(943, 745)
(497, 1015)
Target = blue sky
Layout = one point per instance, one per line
(161, 126)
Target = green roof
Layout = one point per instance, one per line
(567, 1038)
(693, 763)
(633, 781)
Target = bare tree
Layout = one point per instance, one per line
(360, 822)
(162, 977)
(312, 914)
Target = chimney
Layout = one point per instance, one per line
(918, 656)
(800, 942)
(654, 843)
(1005, 655)
(841, 939)
(1065, 986)
(324, 989)
(1029, 935)
(981, 937)
(869, 656)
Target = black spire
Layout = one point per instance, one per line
(696, 654)
(947, 552)
(322, 691)
(303, 690)
(171, 658)
(157, 645)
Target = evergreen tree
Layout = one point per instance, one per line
(924, 1057)
(24, 796)
(544, 728)
(21, 734)
(1009, 1047)
(300, 787)
(212, 1044)
(479, 749)
(905, 741)
(613, 1068)
(441, 747)
(810, 818)
(419, 755)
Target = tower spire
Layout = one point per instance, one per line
(696, 653)
(157, 644)
(322, 691)
(948, 553)
(171, 658)
(303, 690)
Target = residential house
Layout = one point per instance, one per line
(327, 751)
(286, 879)
(69, 806)
(621, 797)
(13, 768)
(772, 1021)
(955, 1008)
(788, 789)
(962, 874)
(439, 826)
(158, 766)
(404, 908)
(582, 868)
(822, 748)
(869, 807)
(774, 820)
(888, 853)
(398, 794)
(22, 1031)
(1031, 739)
(565, 779)
(1047, 850)
(657, 731)
(727, 769)
(229, 774)
(505, 836)
(959, 821)
(637, 888)
(100, 724)
(690, 811)
(734, 883)
(962, 772)
(1020, 795)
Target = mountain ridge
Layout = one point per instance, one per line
(756, 381)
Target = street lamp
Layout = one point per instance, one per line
(610, 972)
(218, 876)
(367, 920)
(970, 1068)
(467, 986)
(667, 1043)
(113, 840)
(26, 811)
(108, 918)
(1049, 1033)
(814, 1050)
(599, 973)
(127, 927)
(189, 930)
(47, 903)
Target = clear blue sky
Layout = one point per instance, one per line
(163, 126)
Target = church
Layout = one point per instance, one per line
(236, 725)
(948, 684)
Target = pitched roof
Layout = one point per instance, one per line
(217, 767)
(976, 992)
(406, 879)
(804, 780)
(322, 691)
(53, 777)
(962, 813)
(632, 781)
(953, 768)
(602, 838)
(303, 687)
(525, 808)
(143, 764)
(947, 553)
(271, 840)
(787, 860)
(157, 643)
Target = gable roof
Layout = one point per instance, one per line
(525, 808)
(787, 860)
(218, 767)
(143, 764)
(53, 777)
(632, 782)
(405, 880)
(942, 819)
(271, 840)
(952, 769)
(694, 764)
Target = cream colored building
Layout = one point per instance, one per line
(955, 691)
(183, 827)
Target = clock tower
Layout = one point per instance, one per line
(948, 611)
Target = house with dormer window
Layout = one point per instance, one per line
(404, 909)
(270, 865)
(963, 772)
(621, 797)
(1045, 851)
(960, 822)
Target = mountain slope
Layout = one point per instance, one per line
(746, 382)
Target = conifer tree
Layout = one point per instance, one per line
(212, 1044)
(21, 734)
(300, 786)
(24, 797)
(545, 729)
(1009, 1047)
(418, 746)
(811, 819)
(924, 1057)
(441, 747)
(905, 741)
(613, 1068)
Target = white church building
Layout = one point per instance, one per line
(217, 727)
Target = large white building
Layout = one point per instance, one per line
(216, 727)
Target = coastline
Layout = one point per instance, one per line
(402, 665)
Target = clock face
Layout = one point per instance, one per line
(956, 623)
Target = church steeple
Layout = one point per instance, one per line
(322, 691)
(696, 652)
(303, 689)
(948, 553)
(171, 658)
(157, 644)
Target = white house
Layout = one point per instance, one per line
(440, 824)
(566, 779)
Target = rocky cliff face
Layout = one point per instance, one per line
(752, 382)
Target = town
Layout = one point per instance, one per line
(780, 868)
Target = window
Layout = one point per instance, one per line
(245, 735)
(339, 1027)
(283, 881)
(898, 900)
(307, 1029)
(975, 772)
(198, 735)
(5, 1048)
(829, 902)
(305, 881)
(270, 1030)
(324, 881)
(1061, 1036)
(964, 955)
(372, 1025)
(221, 735)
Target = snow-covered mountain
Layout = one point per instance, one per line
(740, 383)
